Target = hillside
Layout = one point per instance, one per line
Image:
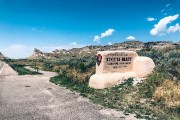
(156, 97)
(2, 56)
(92, 50)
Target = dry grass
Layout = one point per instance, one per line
(169, 92)
(62, 68)
(73, 73)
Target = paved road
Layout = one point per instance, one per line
(34, 98)
(1, 65)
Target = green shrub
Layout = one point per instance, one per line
(154, 80)
(81, 66)
(166, 62)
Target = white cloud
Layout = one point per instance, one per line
(16, 46)
(151, 19)
(73, 43)
(168, 5)
(161, 27)
(109, 43)
(165, 14)
(107, 33)
(162, 10)
(173, 29)
(17, 51)
(97, 38)
(130, 38)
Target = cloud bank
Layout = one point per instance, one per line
(17, 51)
(173, 29)
(161, 27)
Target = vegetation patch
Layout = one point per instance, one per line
(19, 66)
(124, 97)
(169, 93)
(23, 71)
(157, 97)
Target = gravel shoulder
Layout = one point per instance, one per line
(31, 97)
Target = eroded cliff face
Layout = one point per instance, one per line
(2, 56)
(36, 54)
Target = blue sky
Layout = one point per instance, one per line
(51, 24)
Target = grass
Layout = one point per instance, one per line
(157, 97)
(125, 97)
(23, 71)
(169, 92)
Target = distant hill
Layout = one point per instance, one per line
(92, 49)
(37, 54)
(2, 56)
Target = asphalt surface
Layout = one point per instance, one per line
(1, 65)
(35, 98)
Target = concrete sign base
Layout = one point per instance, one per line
(113, 67)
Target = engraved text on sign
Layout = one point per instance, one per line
(118, 62)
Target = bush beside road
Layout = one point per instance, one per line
(157, 97)
(35, 98)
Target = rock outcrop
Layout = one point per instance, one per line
(2, 56)
(92, 49)
(37, 54)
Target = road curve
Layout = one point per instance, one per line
(35, 98)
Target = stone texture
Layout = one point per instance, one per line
(110, 59)
(36, 54)
(113, 67)
(104, 80)
(143, 66)
(2, 56)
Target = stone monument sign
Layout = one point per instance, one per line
(112, 67)
(115, 61)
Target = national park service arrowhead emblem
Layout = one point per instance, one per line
(99, 59)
